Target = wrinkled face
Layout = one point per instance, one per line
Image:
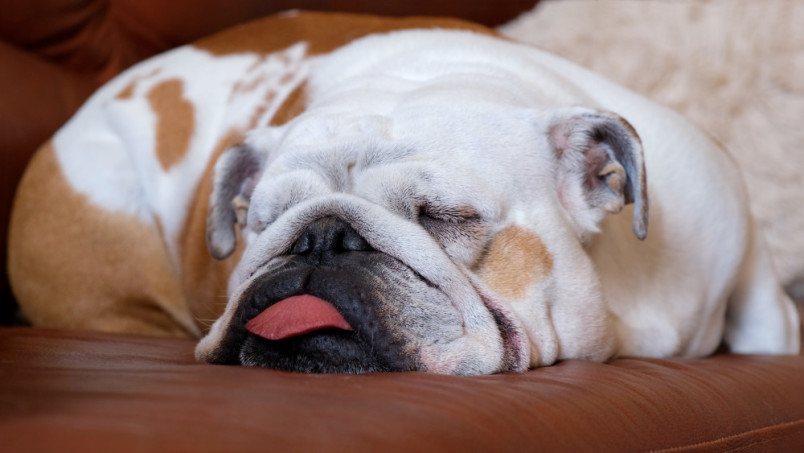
(416, 240)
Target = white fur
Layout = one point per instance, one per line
(471, 113)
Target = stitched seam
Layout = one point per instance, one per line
(714, 442)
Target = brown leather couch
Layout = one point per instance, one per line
(76, 391)
(87, 392)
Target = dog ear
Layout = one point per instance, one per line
(235, 175)
(601, 167)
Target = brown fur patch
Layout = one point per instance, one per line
(128, 91)
(323, 32)
(75, 265)
(242, 87)
(293, 106)
(205, 279)
(514, 261)
(253, 122)
(175, 121)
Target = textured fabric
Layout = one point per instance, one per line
(98, 392)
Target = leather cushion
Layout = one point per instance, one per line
(100, 392)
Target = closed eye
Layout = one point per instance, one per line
(428, 212)
(460, 230)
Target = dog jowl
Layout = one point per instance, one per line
(333, 303)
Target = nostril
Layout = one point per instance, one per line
(338, 241)
(353, 242)
(304, 244)
(329, 235)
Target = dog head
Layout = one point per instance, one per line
(428, 227)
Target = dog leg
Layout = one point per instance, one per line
(761, 317)
(75, 265)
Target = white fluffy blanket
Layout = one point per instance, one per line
(734, 67)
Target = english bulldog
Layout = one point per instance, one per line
(339, 193)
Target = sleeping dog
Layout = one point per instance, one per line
(339, 193)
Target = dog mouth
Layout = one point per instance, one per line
(342, 318)
(334, 304)
(369, 314)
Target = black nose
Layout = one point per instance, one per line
(327, 237)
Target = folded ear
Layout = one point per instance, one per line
(235, 175)
(601, 167)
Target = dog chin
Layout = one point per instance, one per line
(390, 308)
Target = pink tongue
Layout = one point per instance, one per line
(296, 316)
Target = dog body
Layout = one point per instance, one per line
(467, 205)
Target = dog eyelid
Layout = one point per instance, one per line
(450, 214)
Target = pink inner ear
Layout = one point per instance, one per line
(559, 135)
(295, 316)
(596, 160)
